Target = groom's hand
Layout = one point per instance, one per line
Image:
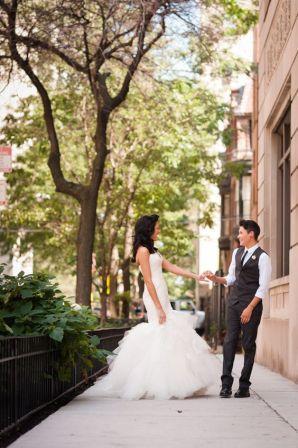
(246, 314)
(209, 275)
(200, 277)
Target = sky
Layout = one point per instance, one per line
(9, 96)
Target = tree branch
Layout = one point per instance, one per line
(141, 51)
(62, 185)
(33, 42)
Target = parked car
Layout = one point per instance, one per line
(188, 306)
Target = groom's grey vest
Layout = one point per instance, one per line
(247, 277)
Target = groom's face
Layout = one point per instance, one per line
(244, 237)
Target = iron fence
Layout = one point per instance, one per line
(27, 380)
(217, 314)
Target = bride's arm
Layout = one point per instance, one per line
(167, 266)
(143, 259)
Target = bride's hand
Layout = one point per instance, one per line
(161, 316)
(200, 277)
(209, 275)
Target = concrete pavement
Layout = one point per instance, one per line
(268, 419)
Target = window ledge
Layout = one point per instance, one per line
(279, 282)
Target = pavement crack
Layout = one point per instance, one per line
(219, 357)
(275, 411)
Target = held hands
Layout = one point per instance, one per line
(209, 275)
(161, 316)
(203, 277)
(199, 277)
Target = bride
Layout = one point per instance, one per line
(164, 358)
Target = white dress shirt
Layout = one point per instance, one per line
(264, 268)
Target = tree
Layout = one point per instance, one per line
(35, 33)
(162, 131)
(103, 44)
(158, 163)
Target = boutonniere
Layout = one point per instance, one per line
(253, 257)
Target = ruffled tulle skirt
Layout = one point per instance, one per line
(159, 362)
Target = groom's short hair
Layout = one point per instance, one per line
(251, 226)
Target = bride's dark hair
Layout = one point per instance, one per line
(144, 230)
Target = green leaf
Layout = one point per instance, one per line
(18, 330)
(95, 340)
(26, 293)
(6, 298)
(57, 334)
(88, 362)
(25, 308)
(51, 319)
(5, 314)
(102, 354)
(37, 311)
(6, 327)
(106, 352)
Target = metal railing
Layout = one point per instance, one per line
(217, 317)
(27, 383)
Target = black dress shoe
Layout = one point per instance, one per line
(242, 393)
(225, 392)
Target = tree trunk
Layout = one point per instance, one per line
(114, 308)
(114, 268)
(85, 241)
(126, 286)
(104, 297)
(126, 266)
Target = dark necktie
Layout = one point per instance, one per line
(242, 259)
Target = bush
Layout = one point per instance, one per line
(33, 305)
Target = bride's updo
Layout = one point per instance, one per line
(144, 230)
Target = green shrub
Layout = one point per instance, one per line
(33, 305)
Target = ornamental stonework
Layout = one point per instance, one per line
(278, 34)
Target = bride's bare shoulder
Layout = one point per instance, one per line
(142, 252)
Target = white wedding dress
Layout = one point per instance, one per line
(159, 361)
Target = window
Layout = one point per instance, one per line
(226, 212)
(246, 196)
(284, 194)
(237, 199)
(243, 197)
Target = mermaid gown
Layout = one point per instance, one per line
(159, 361)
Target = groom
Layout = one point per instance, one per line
(249, 273)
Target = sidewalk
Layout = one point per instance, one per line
(268, 419)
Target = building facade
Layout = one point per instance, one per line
(236, 187)
(235, 193)
(275, 178)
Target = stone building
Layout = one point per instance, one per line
(235, 189)
(235, 193)
(275, 175)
